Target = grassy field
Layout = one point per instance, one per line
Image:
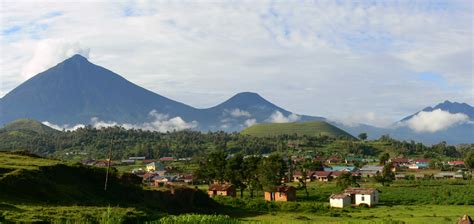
(381, 214)
(313, 128)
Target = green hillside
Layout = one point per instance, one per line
(75, 193)
(28, 125)
(313, 128)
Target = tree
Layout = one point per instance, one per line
(387, 175)
(345, 180)
(304, 167)
(271, 171)
(363, 136)
(469, 161)
(384, 158)
(250, 173)
(234, 172)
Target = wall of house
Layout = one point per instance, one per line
(369, 199)
(340, 203)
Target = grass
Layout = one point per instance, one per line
(313, 128)
(379, 214)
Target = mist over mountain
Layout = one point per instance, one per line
(77, 92)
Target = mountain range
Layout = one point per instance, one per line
(77, 91)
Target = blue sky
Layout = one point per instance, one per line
(369, 61)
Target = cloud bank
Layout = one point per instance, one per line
(239, 113)
(278, 117)
(436, 120)
(160, 123)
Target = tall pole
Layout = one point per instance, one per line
(108, 165)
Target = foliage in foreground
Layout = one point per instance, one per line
(196, 218)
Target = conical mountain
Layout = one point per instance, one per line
(75, 90)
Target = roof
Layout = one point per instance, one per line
(338, 196)
(456, 162)
(284, 188)
(400, 160)
(338, 173)
(422, 161)
(360, 190)
(322, 173)
(339, 168)
(371, 168)
(220, 187)
(167, 159)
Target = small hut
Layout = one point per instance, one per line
(221, 189)
(281, 193)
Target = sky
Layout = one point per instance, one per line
(371, 62)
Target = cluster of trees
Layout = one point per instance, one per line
(124, 143)
(255, 173)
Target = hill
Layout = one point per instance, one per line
(313, 128)
(30, 183)
(28, 125)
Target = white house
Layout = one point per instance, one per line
(363, 196)
(339, 200)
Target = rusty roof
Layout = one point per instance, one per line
(220, 187)
(360, 190)
(338, 196)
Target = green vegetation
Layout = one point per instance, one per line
(28, 125)
(35, 189)
(196, 218)
(313, 128)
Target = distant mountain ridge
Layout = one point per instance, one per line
(77, 91)
(451, 107)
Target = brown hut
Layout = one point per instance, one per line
(221, 189)
(281, 193)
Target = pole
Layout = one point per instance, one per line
(108, 166)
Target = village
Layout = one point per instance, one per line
(163, 173)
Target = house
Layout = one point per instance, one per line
(444, 175)
(339, 200)
(340, 168)
(419, 164)
(336, 174)
(137, 158)
(167, 159)
(456, 163)
(370, 171)
(281, 193)
(298, 175)
(323, 175)
(363, 196)
(400, 176)
(127, 162)
(400, 162)
(160, 181)
(154, 166)
(334, 159)
(221, 189)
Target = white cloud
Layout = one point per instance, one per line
(201, 53)
(435, 120)
(369, 118)
(49, 52)
(278, 117)
(239, 113)
(63, 127)
(160, 123)
(250, 122)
